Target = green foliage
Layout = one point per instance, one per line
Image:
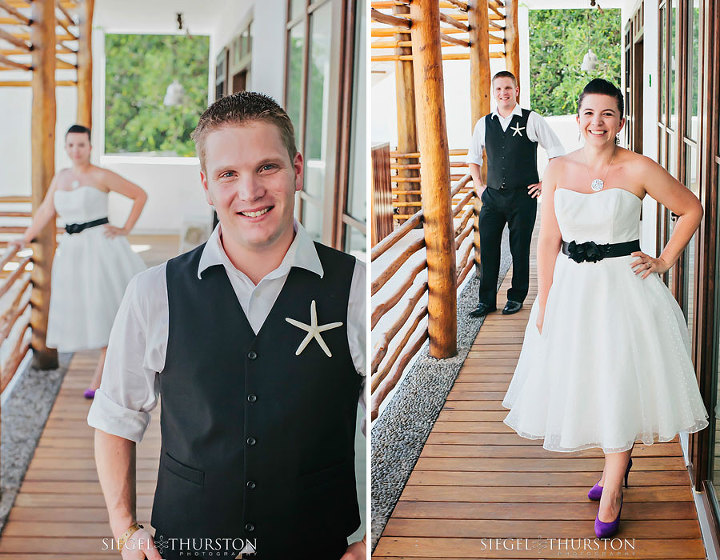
(558, 41)
(139, 69)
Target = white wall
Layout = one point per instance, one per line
(15, 128)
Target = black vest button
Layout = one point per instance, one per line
(251, 398)
(252, 355)
(250, 484)
(249, 527)
(251, 441)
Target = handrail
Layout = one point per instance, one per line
(401, 340)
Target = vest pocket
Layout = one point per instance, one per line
(324, 476)
(183, 471)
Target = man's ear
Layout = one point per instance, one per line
(203, 180)
(299, 168)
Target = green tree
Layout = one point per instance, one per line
(558, 41)
(139, 69)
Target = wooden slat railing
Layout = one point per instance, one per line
(15, 318)
(387, 367)
(456, 31)
(406, 190)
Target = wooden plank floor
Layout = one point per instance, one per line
(60, 511)
(476, 480)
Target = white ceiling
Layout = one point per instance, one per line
(202, 17)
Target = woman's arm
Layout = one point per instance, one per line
(672, 194)
(550, 238)
(118, 184)
(43, 215)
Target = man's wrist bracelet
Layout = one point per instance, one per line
(127, 534)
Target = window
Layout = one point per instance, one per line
(325, 55)
(138, 71)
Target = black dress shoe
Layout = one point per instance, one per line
(511, 307)
(481, 310)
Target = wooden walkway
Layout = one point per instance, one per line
(477, 481)
(60, 511)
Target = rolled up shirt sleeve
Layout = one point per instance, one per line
(477, 144)
(136, 352)
(539, 131)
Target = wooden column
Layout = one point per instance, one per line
(42, 37)
(85, 65)
(407, 135)
(479, 60)
(512, 39)
(480, 88)
(435, 178)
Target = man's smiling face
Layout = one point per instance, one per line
(251, 182)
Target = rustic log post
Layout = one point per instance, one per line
(512, 39)
(435, 178)
(407, 135)
(480, 88)
(85, 64)
(42, 36)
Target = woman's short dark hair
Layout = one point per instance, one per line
(78, 128)
(603, 87)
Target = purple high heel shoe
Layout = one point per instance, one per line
(90, 394)
(604, 530)
(596, 491)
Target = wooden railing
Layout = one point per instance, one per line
(394, 351)
(15, 332)
(15, 287)
(406, 190)
(392, 20)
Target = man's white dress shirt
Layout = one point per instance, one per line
(138, 340)
(538, 130)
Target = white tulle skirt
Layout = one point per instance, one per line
(89, 276)
(612, 365)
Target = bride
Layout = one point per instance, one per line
(94, 261)
(605, 359)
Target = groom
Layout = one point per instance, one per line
(510, 135)
(255, 341)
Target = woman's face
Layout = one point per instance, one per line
(599, 119)
(77, 146)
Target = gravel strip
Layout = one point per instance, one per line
(23, 418)
(398, 436)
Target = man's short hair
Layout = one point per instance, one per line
(78, 128)
(505, 74)
(241, 108)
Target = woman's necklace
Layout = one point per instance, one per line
(598, 184)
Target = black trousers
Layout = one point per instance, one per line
(517, 209)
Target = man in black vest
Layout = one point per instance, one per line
(510, 136)
(254, 341)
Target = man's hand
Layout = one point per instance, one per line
(356, 551)
(478, 188)
(535, 190)
(139, 546)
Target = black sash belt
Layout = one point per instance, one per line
(77, 228)
(592, 252)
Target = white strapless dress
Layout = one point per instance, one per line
(89, 274)
(612, 365)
